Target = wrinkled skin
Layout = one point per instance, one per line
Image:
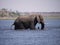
(28, 21)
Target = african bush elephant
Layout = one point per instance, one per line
(28, 21)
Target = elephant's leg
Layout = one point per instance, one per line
(26, 24)
(42, 25)
(16, 27)
(32, 26)
(19, 26)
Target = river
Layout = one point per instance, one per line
(49, 36)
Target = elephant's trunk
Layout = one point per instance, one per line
(42, 25)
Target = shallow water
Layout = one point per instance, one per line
(49, 36)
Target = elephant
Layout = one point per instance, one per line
(28, 21)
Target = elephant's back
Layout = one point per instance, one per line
(25, 18)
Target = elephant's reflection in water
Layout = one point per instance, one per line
(28, 22)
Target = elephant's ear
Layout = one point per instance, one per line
(38, 19)
(41, 18)
(35, 21)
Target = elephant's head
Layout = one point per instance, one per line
(39, 19)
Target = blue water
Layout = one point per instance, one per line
(49, 36)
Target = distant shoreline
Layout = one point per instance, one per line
(11, 15)
(51, 17)
(8, 18)
(13, 18)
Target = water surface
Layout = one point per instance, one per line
(49, 36)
